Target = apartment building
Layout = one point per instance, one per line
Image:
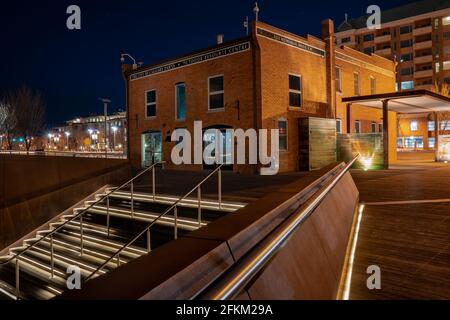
(416, 36)
(271, 79)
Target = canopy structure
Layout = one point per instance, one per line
(407, 102)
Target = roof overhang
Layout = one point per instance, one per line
(415, 101)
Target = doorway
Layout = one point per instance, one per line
(151, 148)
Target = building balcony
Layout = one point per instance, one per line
(423, 74)
(422, 31)
(381, 39)
(384, 52)
(423, 59)
(422, 45)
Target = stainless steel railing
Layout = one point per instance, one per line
(244, 271)
(49, 235)
(173, 207)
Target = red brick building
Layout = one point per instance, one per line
(269, 80)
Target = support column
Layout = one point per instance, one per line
(386, 133)
(349, 118)
(436, 136)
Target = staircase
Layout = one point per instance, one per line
(117, 226)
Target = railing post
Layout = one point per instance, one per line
(176, 222)
(52, 261)
(220, 188)
(107, 215)
(199, 199)
(17, 279)
(149, 241)
(153, 183)
(81, 235)
(118, 259)
(132, 199)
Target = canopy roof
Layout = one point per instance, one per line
(415, 101)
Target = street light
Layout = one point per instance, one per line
(114, 129)
(67, 139)
(122, 58)
(105, 110)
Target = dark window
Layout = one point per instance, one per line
(150, 104)
(295, 91)
(338, 80)
(216, 93)
(406, 57)
(406, 43)
(338, 126)
(374, 127)
(345, 40)
(180, 93)
(368, 37)
(368, 50)
(356, 89)
(405, 29)
(357, 126)
(406, 71)
(283, 139)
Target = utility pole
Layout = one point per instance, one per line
(105, 112)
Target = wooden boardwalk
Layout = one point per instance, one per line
(409, 241)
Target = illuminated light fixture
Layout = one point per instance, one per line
(348, 279)
(366, 163)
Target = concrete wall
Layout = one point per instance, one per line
(33, 189)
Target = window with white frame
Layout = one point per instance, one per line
(356, 84)
(373, 126)
(180, 101)
(216, 92)
(150, 104)
(283, 134)
(338, 80)
(430, 125)
(295, 91)
(414, 125)
(357, 126)
(338, 125)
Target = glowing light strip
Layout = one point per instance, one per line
(348, 279)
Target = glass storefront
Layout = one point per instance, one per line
(151, 148)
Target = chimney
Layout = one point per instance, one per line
(219, 38)
(328, 38)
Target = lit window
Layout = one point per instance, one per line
(338, 126)
(356, 84)
(216, 93)
(295, 91)
(373, 85)
(430, 125)
(357, 126)
(180, 97)
(414, 126)
(150, 98)
(338, 80)
(407, 85)
(446, 21)
(437, 67)
(431, 142)
(446, 65)
(283, 138)
(445, 125)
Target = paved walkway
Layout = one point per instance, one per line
(405, 230)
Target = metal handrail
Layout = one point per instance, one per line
(79, 215)
(172, 207)
(253, 262)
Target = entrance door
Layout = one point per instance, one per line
(151, 148)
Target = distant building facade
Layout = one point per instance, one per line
(416, 36)
(271, 79)
(88, 134)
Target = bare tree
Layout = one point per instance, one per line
(8, 121)
(29, 110)
(444, 117)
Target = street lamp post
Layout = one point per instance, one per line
(67, 139)
(105, 111)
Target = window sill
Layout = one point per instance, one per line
(290, 108)
(216, 110)
(150, 118)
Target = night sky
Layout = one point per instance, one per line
(73, 69)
